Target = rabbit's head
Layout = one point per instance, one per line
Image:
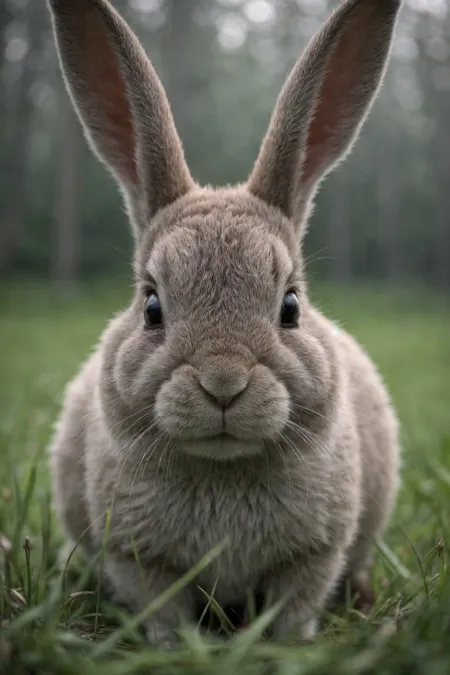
(219, 351)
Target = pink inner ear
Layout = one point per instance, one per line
(106, 92)
(341, 88)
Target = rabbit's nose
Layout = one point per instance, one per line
(224, 384)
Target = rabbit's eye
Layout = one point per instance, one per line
(152, 311)
(290, 310)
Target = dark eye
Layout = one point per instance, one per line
(152, 311)
(290, 310)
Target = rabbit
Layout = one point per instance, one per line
(221, 405)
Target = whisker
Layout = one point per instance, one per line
(161, 457)
(309, 437)
(172, 452)
(298, 406)
(312, 257)
(294, 449)
(144, 410)
(142, 463)
(286, 467)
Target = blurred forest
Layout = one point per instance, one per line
(385, 214)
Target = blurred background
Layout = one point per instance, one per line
(383, 216)
(378, 249)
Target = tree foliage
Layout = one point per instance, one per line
(384, 214)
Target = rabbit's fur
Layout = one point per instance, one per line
(308, 472)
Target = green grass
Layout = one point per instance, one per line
(51, 624)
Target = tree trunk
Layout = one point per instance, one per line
(339, 224)
(67, 233)
(5, 18)
(387, 186)
(442, 249)
(13, 207)
(176, 41)
(184, 44)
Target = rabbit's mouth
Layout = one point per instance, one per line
(222, 447)
(204, 425)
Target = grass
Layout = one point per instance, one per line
(59, 623)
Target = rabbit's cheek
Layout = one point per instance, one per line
(139, 368)
(126, 369)
(308, 369)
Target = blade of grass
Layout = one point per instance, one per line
(208, 604)
(245, 640)
(24, 505)
(29, 588)
(225, 622)
(102, 562)
(393, 560)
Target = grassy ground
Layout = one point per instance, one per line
(57, 624)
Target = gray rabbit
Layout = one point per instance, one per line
(221, 403)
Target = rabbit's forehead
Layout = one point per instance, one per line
(209, 249)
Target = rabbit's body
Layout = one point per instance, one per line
(337, 487)
(218, 417)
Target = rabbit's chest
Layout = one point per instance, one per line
(184, 521)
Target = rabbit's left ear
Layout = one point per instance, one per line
(324, 103)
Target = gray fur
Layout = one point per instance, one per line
(309, 471)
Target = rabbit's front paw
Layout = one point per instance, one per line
(160, 635)
(292, 628)
(303, 587)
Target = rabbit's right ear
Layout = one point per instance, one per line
(122, 105)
